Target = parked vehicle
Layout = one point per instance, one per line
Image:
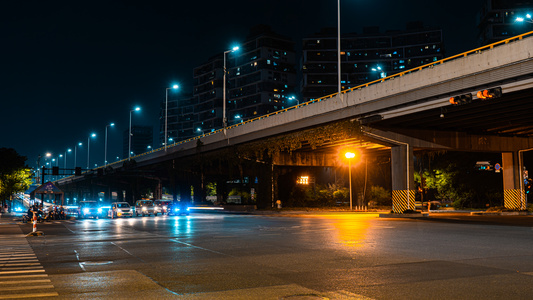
(89, 209)
(120, 209)
(161, 206)
(178, 208)
(144, 207)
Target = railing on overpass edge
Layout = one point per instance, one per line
(430, 65)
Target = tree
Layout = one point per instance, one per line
(15, 176)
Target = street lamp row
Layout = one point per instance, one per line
(166, 138)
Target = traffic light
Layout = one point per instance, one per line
(461, 99)
(55, 170)
(77, 171)
(490, 93)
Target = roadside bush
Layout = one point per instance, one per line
(380, 196)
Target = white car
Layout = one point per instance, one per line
(144, 207)
(120, 209)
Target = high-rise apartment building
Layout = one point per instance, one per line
(365, 57)
(497, 20)
(142, 140)
(180, 119)
(260, 77)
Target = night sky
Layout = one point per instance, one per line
(70, 68)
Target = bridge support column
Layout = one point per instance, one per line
(513, 196)
(403, 193)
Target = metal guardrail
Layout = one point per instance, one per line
(426, 66)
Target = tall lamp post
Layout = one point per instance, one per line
(224, 119)
(105, 150)
(65, 160)
(129, 141)
(76, 153)
(166, 112)
(350, 156)
(88, 148)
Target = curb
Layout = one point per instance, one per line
(409, 216)
(502, 213)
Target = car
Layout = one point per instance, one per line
(89, 209)
(120, 209)
(178, 208)
(144, 207)
(161, 206)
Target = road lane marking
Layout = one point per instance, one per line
(20, 296)
(18, 272)
(18, 259)
(19, 268)
(24, 281)
(22, 288)
(24, 276)
(19, 264)
(21, 274)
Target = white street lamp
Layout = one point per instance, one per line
(166, 112)
(224, 119)
(527, 19)
(105, 151)
(129, 141)
(65, 161)
(88, 148)
(294, 98)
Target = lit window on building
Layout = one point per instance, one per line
(302, 180)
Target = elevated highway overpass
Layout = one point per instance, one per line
(406, 112)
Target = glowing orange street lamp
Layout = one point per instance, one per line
(350, 156)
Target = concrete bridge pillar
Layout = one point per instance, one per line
(514, 197)
(403, 192)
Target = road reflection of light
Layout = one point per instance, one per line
(348, 230)
(182, 225)
(352, 229)
(118, 225)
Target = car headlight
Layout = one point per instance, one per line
(86, 210)
(176, 209)
(119, 210)
(164, 207)
(99, 210)
(144, 208)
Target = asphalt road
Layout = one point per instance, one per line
(296, 256)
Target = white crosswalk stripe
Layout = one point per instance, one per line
(21, 273)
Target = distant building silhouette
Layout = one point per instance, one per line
(497, 20)
(142, 139)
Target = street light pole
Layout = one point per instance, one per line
(224, 119)
(129, 141)
(349, 156)
(75, 153)
(88, 148)
(105, 151)
(166, 113)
